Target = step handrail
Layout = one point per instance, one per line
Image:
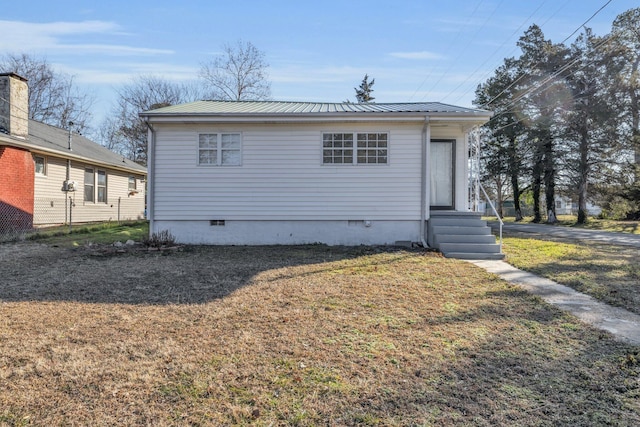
(494, 211)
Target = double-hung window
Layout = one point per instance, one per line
(102, 187)
(89, 185)
(370, 148)
(219, 149)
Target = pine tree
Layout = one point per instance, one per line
(363, 92)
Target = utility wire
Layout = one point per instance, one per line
(523, 75)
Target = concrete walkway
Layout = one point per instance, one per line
(610, 237)
(625, 326)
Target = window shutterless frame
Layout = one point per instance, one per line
(219, 149)
(355, 148)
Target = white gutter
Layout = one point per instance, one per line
(151, 138)
(426, 136)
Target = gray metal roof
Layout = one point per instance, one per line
(56, 140)
(294, 108)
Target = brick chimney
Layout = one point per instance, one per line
(14, 105)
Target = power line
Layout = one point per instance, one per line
(486, 75)
(522, 76)
(448, 49)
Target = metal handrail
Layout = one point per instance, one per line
(494, 211)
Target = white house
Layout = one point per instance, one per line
(224, 172)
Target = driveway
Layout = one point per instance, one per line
(624, 239)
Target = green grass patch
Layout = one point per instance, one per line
(608, 273)
(100, 233)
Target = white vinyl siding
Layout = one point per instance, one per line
(283, 176)
(219, 149)
(50, 200)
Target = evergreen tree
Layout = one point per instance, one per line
(363, 92)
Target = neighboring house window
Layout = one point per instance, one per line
(40, 165)
(89, 185)
(219, 149)
(102, 187)
(558, 204)
(371, 148)
(132, 183)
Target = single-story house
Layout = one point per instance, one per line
(50, 175)
(243, 172)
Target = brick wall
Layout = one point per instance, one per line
(16, 188)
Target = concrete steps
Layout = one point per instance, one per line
(462, 235)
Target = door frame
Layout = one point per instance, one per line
(452, 141)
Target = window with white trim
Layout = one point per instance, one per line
(102, 186)
(40, 165)
(132, 183)
(219, 149)
(89, 185)
(370, 148)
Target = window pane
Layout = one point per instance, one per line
(39, 165)
(88, 176)
(88, 193)
(231, 140)
(102, 195)
(102, 178)
(132, 183)
(230, 157)
(208, 157)
(208, 140)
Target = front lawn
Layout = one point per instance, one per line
(305, 336)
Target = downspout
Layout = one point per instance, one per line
(426, 136)
(151, 138)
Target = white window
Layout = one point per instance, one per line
(40, 165)
(371, 148)
(337, 148)
(102, 187)
(89, 185)
(132, 183)
(219, 149)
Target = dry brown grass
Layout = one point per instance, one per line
(293, 336)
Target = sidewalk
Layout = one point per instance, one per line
(624, 325)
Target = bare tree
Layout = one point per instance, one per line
(239, 74)
(123, 131)
(53, 97)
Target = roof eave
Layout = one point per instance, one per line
(314, 117)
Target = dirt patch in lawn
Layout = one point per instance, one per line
(309, 335)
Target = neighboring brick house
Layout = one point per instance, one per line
(50, 176)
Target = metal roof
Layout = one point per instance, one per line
(55, 140)
(295, 108)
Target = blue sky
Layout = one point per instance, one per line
(417, 50)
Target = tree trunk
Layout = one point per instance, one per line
(549, 180)
(516, 197)
(583, 170)
(514, 171)
(536, 186)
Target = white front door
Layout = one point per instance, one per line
(442, 173)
